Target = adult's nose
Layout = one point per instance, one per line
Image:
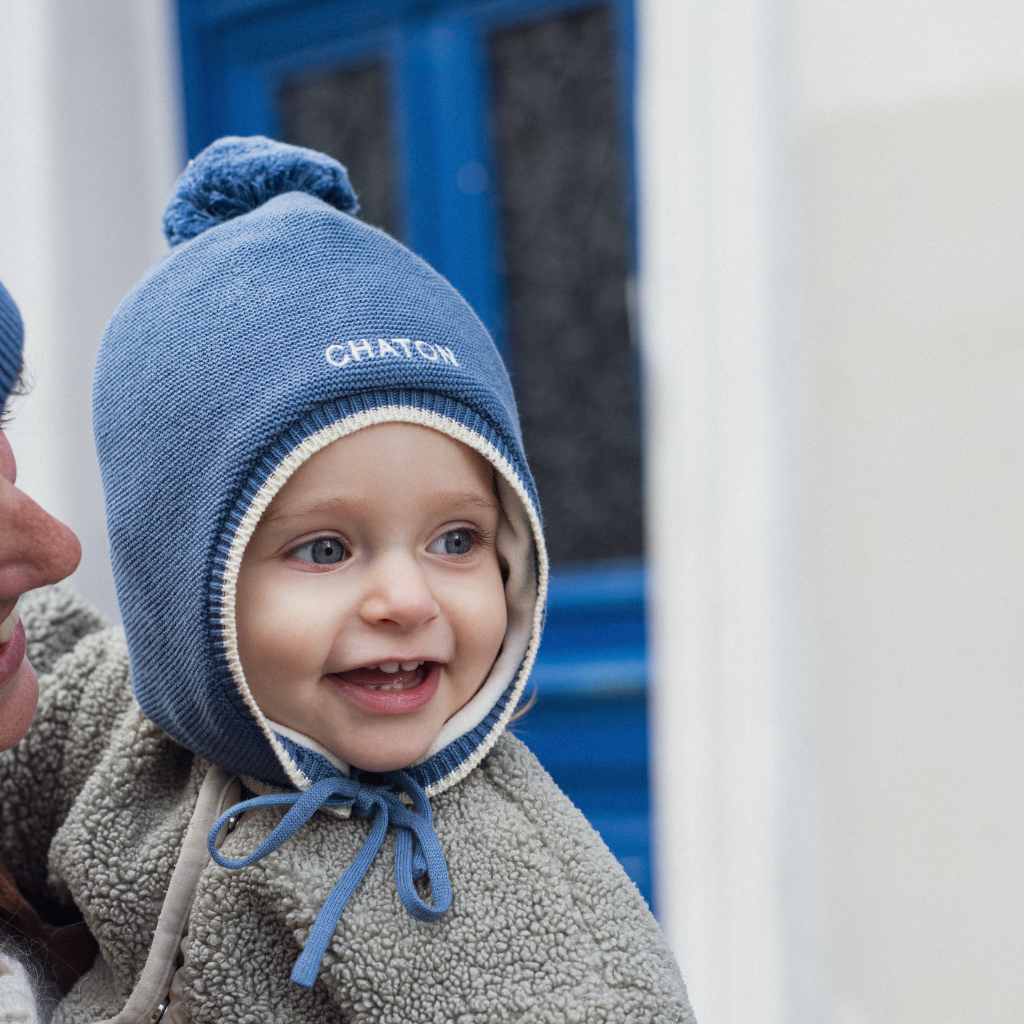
(398, 593)
(35, 548)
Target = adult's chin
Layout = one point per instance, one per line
(18, 697)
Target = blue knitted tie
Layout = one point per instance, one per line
(417, 850)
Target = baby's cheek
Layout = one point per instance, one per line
(496, 607)
(488, 622)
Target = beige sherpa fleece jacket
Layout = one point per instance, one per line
(100, 807)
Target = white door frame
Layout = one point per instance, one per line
(711, 124)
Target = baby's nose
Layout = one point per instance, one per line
(399, 593)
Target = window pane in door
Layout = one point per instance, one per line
(347, 113)
(565, 247)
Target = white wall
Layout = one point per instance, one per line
(91, 145)
(912, 499)
(835, 342)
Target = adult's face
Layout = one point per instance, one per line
(35, 550)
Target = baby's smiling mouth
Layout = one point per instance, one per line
(388, 676)
(377, 690)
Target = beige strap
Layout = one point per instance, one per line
(146, 1003)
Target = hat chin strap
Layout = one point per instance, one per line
(418, 851)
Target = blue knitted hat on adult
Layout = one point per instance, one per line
(12, 335)
(279, 323)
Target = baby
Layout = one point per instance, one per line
(370, 602)
(330, 563)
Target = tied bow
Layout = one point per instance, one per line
(417, 850)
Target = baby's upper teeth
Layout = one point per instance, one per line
(393, 666)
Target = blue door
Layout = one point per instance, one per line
(495, 138)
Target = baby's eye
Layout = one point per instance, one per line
(459, 541)
(321, 551)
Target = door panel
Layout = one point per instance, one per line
(495, 138)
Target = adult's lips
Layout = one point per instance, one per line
(12, 653)
(10, 620)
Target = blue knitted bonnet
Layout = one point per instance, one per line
(11, 338)
(279, 323)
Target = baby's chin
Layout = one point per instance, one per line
(383, 761)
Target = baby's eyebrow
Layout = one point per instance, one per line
(341, 505)
(471, 498)
(327, 506)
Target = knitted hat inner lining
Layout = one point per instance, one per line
(515, 546)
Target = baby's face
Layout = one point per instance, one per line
(370, 600)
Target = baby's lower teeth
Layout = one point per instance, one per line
(389, 686)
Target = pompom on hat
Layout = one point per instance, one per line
(12, 335)
(234, 176)
(278, 324)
